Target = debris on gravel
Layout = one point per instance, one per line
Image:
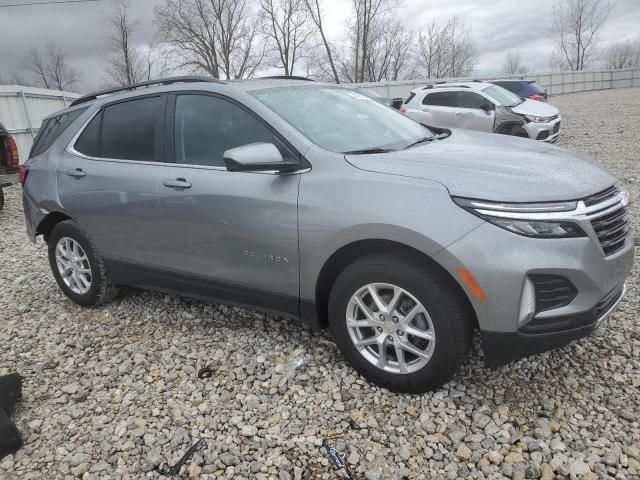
(114, 392)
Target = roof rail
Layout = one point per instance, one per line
(286, 77)
(160, 81)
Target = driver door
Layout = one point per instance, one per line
(228, 235)
(469, 113)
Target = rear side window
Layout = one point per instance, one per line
(511, 86)
(51, 129)
(89, 140)
(132, 130)
(441, 99)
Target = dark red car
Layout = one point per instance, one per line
(9, 158)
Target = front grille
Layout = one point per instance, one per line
(612, 230)
(601, 196)
(556, 128)
(552, 291)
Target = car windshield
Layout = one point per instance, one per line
(503, 96)
(342, 120)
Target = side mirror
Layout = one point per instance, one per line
(258, 157)
(487, 107)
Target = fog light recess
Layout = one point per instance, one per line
(527, 302)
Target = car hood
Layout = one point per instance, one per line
(534, 107)
(494, 167)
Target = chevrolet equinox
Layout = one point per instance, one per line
(313, 201)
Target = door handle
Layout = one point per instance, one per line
(462, 114)
(177, 183)
(77, 173)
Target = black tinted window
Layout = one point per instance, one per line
(511, 86)
(132, 130)
(89, 140)
(206, 126)
(51, 129)
(442, 99)
(470, 100)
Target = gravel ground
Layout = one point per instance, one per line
(113, 392)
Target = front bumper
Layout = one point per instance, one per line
(500, 261)
(546, 132)
(504, 347)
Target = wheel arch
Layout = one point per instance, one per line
(48, 222)
(351, 252)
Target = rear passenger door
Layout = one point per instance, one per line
(108, 180)
(437, 109)
(229, 235)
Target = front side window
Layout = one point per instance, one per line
(440, 99)
(341, 120)
(132, 130)
(207, 126)
(502, 96)
(470, 100)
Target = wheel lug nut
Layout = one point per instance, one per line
(390, 338)
(395, 319)
(381, 317)
(379, 329)
(400, 333)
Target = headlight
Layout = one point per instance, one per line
(513, 217)
(534, 119)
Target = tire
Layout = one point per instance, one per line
(513, 129)
(100, 289)
(451, 322)
(1, 198)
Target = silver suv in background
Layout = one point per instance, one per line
(315, 202)
(484, 107)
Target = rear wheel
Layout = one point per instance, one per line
(1, 197)
(399, 324)
(77, 267)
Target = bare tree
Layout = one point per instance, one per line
(513, 64)
(126, 65)
(366, 14)
(576, 26)
(447, 51)
(51, 69)
(219, 37)
(623, 55)
(390, 52)
(287, 27)
(315, 14)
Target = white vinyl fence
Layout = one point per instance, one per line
(23, 108)
(555, 82)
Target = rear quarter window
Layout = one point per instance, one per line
(51, 129)
(440, 99)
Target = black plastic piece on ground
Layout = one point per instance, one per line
(338, 459)
(175, 470)
(10, 392)
(205, 372)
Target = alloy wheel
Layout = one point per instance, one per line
(73, 265)
(390, 328)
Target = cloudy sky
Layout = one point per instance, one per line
(497, 27)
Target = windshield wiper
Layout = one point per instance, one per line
(365, 151)
(422, 140)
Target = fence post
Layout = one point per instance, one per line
(26, 112)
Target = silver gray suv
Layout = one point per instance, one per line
(313, 201)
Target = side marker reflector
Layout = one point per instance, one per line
(468, 278)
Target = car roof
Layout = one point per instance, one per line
(192, 83)
(472, 85)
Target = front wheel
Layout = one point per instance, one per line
(77, 267)
(399, 324)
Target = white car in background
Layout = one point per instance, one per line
(485, 107)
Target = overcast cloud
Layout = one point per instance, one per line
(497, 27)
